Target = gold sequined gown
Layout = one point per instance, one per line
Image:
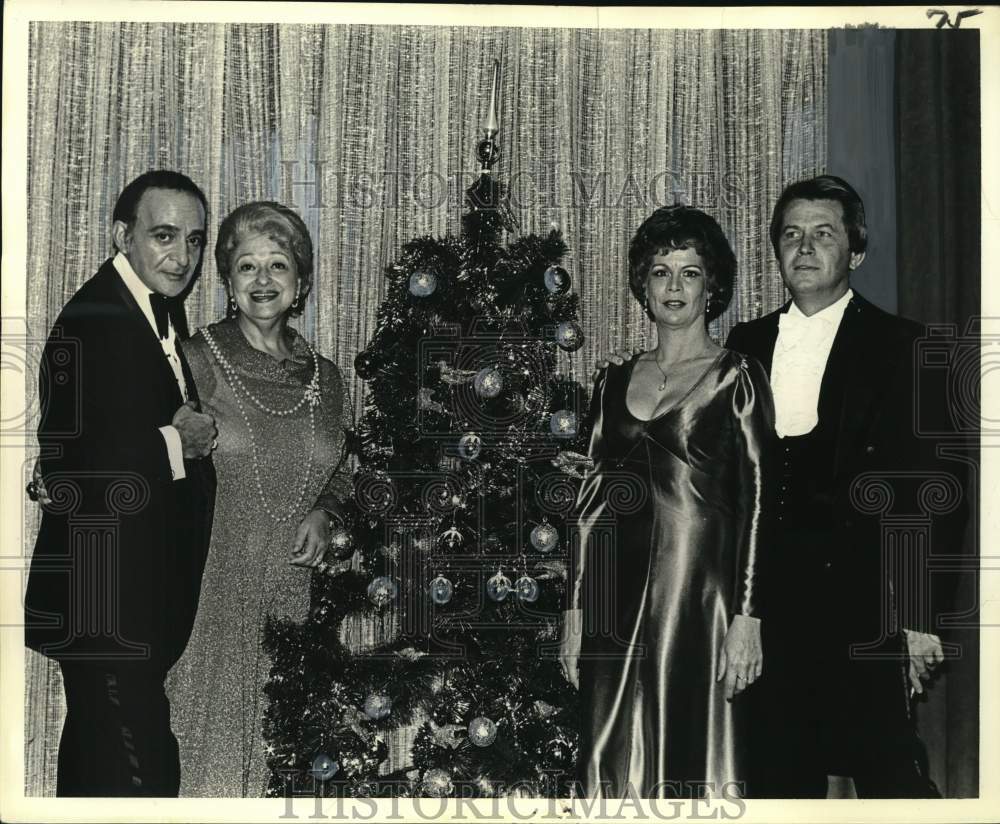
(672, 521)
(216, 689)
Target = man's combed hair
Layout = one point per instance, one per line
(128, 200)
(824, 187)
(684, 227)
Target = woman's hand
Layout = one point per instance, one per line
(311, 539)
(741, 659)
(569, 647)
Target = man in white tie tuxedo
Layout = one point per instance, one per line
(129, 482)
(846, 637)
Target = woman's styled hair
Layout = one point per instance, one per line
(280, 224)
(684, 227)
(824, 187)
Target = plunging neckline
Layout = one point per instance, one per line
(679, 401)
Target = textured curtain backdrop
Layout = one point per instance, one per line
(370, 131)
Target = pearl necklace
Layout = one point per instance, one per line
(310, 396)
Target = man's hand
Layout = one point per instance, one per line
(41, 494)
(741, 659)
(925, 655)
(197, 430)
(311, 539)
(569, 647)
(619, 356)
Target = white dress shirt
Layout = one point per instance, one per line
(141, 292)
(800, 355)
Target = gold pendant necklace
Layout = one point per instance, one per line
(664, 384)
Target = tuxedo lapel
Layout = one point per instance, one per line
(145, 337)
(769, 338)
(855, 374)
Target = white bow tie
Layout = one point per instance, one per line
(787, 320)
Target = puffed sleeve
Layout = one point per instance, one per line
(339, 485)
(757, 453)
(588, 487)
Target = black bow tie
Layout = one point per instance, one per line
(164, 310)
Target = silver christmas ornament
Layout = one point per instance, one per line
(469, 446)
(562, 424)
(324, 767)
(569, 336)
(488, 382)
(482, 731)
(377, 706)
(452, 537)
(527, 589)
(498, 587)
(423, 284)
(341, 542)
(437, 783)
(544, 537)
(557, 280)
(441, 590)
(382, 590)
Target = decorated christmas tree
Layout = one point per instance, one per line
(455, 545)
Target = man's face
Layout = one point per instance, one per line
(814, 252)
(165, 243)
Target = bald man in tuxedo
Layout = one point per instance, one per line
(128, 493)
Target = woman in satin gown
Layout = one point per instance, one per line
(663, 633)
(281, 411)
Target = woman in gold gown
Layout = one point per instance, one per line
(664, 632)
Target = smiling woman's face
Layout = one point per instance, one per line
(676, 287)
(264, 278)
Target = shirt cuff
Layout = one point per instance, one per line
(175, 452)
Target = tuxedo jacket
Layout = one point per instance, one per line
(117, 565)
(887, 523)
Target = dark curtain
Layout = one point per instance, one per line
(938, 171)
(938, 253)
(861, 146)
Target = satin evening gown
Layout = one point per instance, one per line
(671, 525)
(216, 690)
